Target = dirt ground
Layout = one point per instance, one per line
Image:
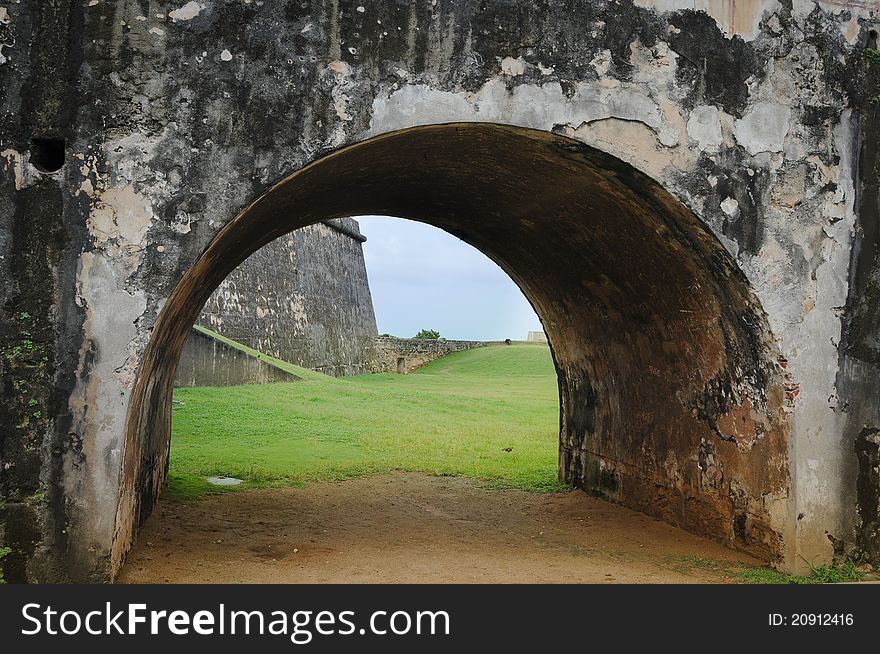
(413, 528)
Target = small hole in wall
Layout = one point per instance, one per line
(47, 154)
(872, 39)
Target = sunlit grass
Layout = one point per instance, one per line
(825, 574)
(455, 416)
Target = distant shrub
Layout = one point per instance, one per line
(385, 335)
(430, 334)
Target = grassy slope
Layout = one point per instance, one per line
(454, 416)
(302, 373)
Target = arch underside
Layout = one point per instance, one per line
(671, 393)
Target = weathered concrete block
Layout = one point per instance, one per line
(206, 361)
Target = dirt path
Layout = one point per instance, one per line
(417, 528)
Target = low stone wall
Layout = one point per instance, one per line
(402, 355)
(206, 361)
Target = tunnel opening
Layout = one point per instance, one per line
(284, 380)
(473, 425)
(672, 398)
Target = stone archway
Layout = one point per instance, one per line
(671, 391)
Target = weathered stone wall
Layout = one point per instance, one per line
(403, 355)
(303, 298)
(729, 389)
(859, 374)
(206, 361)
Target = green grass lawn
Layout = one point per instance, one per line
(454, 416)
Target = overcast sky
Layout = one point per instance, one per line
(424, 278)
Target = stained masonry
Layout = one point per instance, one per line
(682, 189)
(207, 361)
(303, 298)
(403, 355)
